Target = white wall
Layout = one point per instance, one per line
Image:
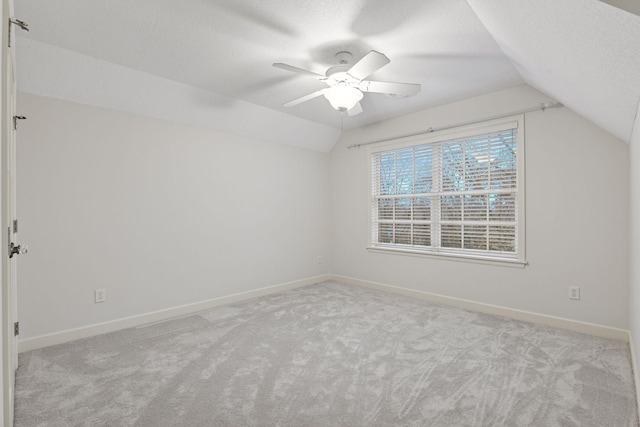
(160, 214)
(634, 253)
(577, 212)
(163, 214)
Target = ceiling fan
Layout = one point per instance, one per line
(347, 82)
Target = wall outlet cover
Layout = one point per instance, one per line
(574, 292)
(100, 295)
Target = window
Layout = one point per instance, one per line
(456, 194)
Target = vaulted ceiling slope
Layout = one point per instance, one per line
(214, 57)
(584, 53)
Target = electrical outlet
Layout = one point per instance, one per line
(574, 292)
(100, 295)
(319, 260)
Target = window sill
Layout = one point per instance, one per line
(502, 262)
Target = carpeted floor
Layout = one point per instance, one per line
(330, 355)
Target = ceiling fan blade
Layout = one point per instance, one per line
(355, 110)
(402, 89)
(371, 62)
(297, 70)
(304, 98)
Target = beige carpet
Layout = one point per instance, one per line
(330, 355)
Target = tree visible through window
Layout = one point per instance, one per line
(458, 196)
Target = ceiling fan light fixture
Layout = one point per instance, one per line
(347, 83)
(343, 97)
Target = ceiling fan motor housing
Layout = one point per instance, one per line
(337, 76)
(344, 57)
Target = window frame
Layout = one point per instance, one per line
(466, 131)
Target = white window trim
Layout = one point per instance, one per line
(446, 135)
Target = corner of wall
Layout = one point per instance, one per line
(634, 249)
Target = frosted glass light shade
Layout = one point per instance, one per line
(343, 97)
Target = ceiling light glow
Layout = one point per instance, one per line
(343, 97)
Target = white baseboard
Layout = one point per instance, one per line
(155, 316)
(47, 340)
(527, 316)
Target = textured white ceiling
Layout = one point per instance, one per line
(228, 46)
(583, 53)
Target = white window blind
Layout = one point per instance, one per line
(458, 196)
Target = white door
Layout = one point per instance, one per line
(9, 224)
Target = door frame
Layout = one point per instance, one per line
(9, 351)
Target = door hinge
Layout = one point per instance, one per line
(15, 226)
(20, 24)
(16, 329)
(15, 121)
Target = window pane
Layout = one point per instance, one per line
(502, 238)
(503, 164)
(388, 173)
(475, 237)
(385, 233)
(451, 208)
(422, 209)
(422, 235)
(403, 208)
(423, 169)
(404, 171)
(452, 167)
(385, 209)
(502, 207)
(477, 165)
(451, 236)
(403, 234)
(475, 207)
